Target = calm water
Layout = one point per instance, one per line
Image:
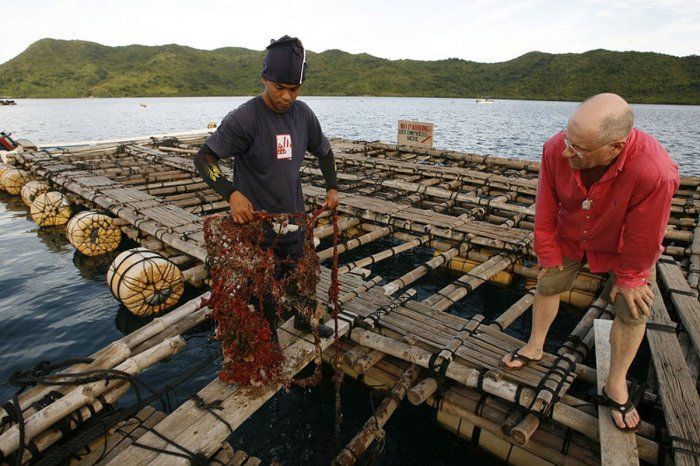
(511, 128)
(54, 303)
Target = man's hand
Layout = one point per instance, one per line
(638, 299)
(544, 270)
(331, 199)
(241, 208)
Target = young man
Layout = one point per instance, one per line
(603, 196)
(268, 137)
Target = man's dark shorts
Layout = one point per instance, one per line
(557, 281)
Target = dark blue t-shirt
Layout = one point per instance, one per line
(268, 150)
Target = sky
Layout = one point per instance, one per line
(478, 30)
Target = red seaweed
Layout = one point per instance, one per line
(242, 272)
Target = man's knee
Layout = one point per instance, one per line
(623, 314)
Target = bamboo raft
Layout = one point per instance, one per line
(475, 213)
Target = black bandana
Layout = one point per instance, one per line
(285, 61)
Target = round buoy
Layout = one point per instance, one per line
(50, 209)
(33, 189)
(144, 281)
(3, 169)
(13, 180)
(93, 234)
(211, 125)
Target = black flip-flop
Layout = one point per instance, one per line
(622, 408)
(515, 356)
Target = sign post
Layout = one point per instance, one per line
(415, 134)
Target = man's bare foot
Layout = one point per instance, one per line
(618, 394)
(526, 354)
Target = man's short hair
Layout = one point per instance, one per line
(614, 127)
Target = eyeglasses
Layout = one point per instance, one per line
(579, 152)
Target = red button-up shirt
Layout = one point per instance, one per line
(629, 209)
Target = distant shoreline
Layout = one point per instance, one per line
(302, 97)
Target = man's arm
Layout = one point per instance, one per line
(327, 165)
(644, 228)
(546, 210)
(207, 165)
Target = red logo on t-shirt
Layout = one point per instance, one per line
(284, 146)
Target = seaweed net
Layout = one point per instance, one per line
(244, 275)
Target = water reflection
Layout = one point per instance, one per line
(126, 322)
(94, 267)
(54, 238)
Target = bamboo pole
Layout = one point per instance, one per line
(118, 351)
(113, 354)
(456, 400)
(327, 230)
(514, 311)
(207, 431)
(461, 287)
(366, 361)
(353, 354)
(80, 396)
(505, 389)
(51, 436)
(420, 392)
(356, 242)
(387, 253)
(359, 444)
(410, 277)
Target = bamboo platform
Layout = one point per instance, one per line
(476, 214)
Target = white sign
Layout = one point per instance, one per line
(284, 146)
(416, 134)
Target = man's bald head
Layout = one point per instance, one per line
(602, 118)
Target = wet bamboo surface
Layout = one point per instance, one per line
(463, 205)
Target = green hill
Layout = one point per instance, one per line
(58, 68)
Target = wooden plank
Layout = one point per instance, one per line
(679, 401)
(687, 306)
(204, 432)
(616, 447)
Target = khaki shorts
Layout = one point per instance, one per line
(557, 281)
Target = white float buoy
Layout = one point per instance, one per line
(144, 281)
(93, 234)
(14, 179)
(51, 209)
(33, 189)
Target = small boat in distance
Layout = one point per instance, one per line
(484, 100)
(8, 102)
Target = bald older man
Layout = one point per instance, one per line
(603, 197)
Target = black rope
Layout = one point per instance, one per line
(670, 328)
(661, 453)
(518, 394)
(480, 381)
(681, 292)
(566, 443)
(210, 407)
(683, 450)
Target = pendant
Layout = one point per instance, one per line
(586, 204)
